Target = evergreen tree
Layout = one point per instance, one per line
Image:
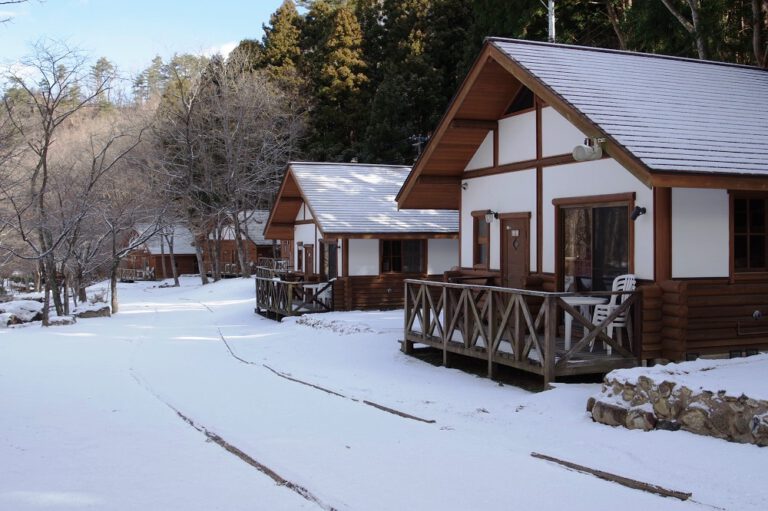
(281, 51)
(102, 74)
(336, 70)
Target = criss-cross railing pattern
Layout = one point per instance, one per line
(513, 327)
(283, 298)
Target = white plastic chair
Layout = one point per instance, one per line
(620, 283)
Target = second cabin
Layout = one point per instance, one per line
(339, 222)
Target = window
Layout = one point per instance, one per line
(749, 234)
(299, 258)
(329, 264)
(481, 240)
(402, 256)
(594, 245)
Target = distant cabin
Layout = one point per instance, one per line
(672, 185)
(340, 221)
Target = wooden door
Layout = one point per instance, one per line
(515, 250)
(309, 260)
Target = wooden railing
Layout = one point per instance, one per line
(273, 263)
(280, 298)
(513, 327)
(132, 274)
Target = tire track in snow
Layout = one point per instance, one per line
(327, 391)
(232, 449)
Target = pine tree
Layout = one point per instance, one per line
(336, 69)
(281, 51)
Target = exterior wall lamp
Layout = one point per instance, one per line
(490, 216)
(639, 210)
(464, 185)
(591, 149)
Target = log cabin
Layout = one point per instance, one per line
(572, 165)
(340, 221)
(254, 245)
(146, 261)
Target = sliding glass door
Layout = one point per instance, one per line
(594, 246)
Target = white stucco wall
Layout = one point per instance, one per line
(558, 135)
(517, 138)
(700, 233)
(483, 157)
(442, 254)
(304, 233)
(597, 178)
(363, 257)
(304, 213)
(513, 192)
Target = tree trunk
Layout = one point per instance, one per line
(172, 257)
(81, 294)
(65, 285)
(613, 17)
(215, 251)
(201, 263)
(53, 285)
(113, 286)
(162, 256)
(240, 242)
(758, 23)
(701, 44)
(47, 303)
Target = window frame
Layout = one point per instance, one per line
(478, 241)
(422, 262)
(735, 274)
(591, 201)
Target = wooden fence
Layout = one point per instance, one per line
(514, 327)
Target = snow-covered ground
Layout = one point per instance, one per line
(92, 416)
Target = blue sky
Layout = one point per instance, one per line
(131, 32)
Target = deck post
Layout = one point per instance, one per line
(407, 346)
(490, 334)
(446, 322)
(550, 335)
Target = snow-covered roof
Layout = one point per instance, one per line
(253, 221)
(183, 241)
(360, 198)
(673, 114)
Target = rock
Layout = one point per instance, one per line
(590, 404)
(640, 419)
(694, 420)
(61, 320)
(667, 425)
(103, 312)
(611, 415)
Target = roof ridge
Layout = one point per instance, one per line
(623, 52)
(350, 164)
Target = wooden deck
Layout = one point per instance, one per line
(277, 298)
(513, 327)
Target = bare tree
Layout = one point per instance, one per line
(692, 26)
(10, 2)
(253, 128)
(759, 28)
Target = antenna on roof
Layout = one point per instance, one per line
(550, 5)
(418, 141)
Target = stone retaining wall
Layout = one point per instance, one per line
(645, 404)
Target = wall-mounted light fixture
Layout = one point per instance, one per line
(591, 149)
(464, 185)
(639, 210)
(490, 216)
